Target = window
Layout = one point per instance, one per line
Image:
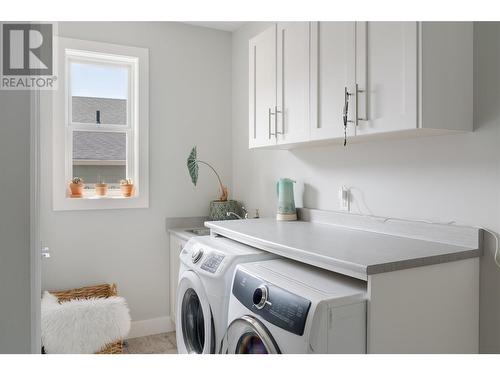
(102, 103)
(100, 119)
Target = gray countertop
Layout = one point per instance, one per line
(353, 252)
(186, 233)
(182, 227)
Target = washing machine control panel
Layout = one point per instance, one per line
(197, 255)
(274, 304)
(212, 262)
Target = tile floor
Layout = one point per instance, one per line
(163, 343)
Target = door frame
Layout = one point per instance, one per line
(34, 210)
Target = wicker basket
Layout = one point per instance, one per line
(102, 290)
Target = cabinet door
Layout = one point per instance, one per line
(386, 68)
(293, 82)
(447, 75)
(333, 62)
(262, 89)
(176, 245)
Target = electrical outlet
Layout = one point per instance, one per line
(345, 198)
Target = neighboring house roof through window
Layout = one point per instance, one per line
(113, 111)
(109, 146)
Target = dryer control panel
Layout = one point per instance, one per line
(212, 262)
(274, 304)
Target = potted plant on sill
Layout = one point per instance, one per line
(101, 188)
(127, 187)
(218, 208)
(76, 187)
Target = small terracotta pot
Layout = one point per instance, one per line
(101, 189)
(76, 190)
(127, 189)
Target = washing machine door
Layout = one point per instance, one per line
(247, 335)
(195, 324)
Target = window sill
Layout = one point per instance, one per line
(95, 197)
(93, 202)
(98, 197)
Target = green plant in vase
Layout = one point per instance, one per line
(192, 164)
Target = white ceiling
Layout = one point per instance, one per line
(219, 25)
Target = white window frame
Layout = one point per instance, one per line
(130, 128)
(136, 59)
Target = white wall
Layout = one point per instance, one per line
(190, 88)
(14, 222)
(441, 178)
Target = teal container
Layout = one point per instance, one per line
(286, 201)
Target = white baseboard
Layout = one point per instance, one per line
(148, 327)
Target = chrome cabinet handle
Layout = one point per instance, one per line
(345, 111)
(271, 113)
(275, 114)
(357, 119)
(276, 111)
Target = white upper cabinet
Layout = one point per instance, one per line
(292, 82)
(262, 89)
(414, 76)
(446, 83)
(333, 58)
(393, 79)
(386, 74)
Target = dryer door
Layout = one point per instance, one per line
(195, 324)
(247, 335)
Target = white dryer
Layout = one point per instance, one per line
(282, 306)
(206, 269)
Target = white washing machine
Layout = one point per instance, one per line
(206, 270)
(282, 306)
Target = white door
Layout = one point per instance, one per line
(247, 335)
(195, 332)
(386, 67)
(333, 59)
(262, 89)
(293, 82)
